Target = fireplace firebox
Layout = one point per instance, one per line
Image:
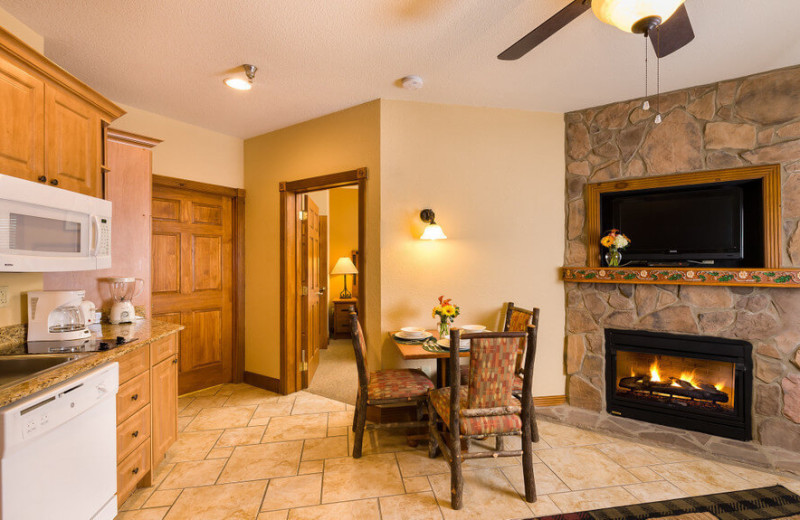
(693, 382)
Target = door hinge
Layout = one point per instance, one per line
(305, 290)
(303, 362)
(302, 216)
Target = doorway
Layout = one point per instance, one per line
(197, 277)
(304, 282)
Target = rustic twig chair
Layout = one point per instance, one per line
(382, 388)
(485, 406)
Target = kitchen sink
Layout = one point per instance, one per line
(20, 367)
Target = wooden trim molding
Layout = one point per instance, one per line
(28, 57)
(549, 400)
(174, 182)
(741, 277)
(123, 137)
(771, 193)
(290, 193)
(260, 381)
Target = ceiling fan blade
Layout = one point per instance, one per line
(672, 34)
(573, 10)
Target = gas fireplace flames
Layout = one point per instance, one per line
(686, 386)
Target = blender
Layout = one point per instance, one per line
(123, 291)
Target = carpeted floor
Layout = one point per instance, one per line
(336, 377)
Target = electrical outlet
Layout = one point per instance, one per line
(3, 296)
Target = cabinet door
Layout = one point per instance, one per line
(72, 136)
(164, 404)
(22, 116)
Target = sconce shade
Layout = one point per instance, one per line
(631, 15)
(433, 232)
(344, 266)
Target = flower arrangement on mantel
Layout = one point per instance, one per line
(615, 242)
(447, 311)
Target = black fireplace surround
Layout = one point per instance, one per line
(670, 399)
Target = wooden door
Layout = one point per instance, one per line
(310, 334)
(165, 407)
(192, 281)
(323, 282)
(72, 136)
(22, 114)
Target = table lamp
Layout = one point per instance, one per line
(344, 266)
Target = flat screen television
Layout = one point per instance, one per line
(696, 223)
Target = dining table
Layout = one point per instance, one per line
(415, 349)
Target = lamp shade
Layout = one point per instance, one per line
(344, 266)
(433, 232)
(624, 14)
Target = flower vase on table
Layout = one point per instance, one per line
(446, 311)
(615, 242)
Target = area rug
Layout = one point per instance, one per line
(774, 502)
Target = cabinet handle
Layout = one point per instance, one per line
(134, 397)
(42, 178)
(175, 361)
(135, 434)
(135, 471)
(54, 182)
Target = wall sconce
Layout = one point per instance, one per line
(433, 231)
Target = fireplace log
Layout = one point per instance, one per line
(706, 392)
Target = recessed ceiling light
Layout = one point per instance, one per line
(242, 80)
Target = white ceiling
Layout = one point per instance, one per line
(319, 56)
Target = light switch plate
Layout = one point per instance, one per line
(3, 296)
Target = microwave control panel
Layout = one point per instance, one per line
(104, 237)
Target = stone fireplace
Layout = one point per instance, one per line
(740, 122)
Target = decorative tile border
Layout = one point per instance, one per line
(684, 276)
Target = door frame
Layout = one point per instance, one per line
(237, 196)
(291, 257)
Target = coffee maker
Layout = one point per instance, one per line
(58, 316)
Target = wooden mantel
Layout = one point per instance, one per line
(741, 277)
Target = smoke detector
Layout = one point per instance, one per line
(411, 82)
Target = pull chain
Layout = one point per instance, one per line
(658, 76)
(646, 104)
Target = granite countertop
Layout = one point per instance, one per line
(145, 332)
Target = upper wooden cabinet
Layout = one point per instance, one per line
(53, 124)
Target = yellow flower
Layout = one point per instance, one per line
(607, 241)
(449, 310)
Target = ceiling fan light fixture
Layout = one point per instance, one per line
(635, 16)
(242, 80)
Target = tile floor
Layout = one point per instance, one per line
(245, 453)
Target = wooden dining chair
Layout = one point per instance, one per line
(485, 406)
(382, 388)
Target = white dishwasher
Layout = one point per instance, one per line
(58, 451)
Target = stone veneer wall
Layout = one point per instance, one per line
(746, 121)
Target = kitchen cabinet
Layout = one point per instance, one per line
(22, 114)
(73, 136)
(164, 396)
(53, 124)
(147, 412)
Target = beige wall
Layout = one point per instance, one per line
(337, 142)
(495, 180)
(343, 229)
(19, 283)
(188, 151)
(21, 31)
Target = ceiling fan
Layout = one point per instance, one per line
(669, 17)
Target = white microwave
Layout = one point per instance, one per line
(43, 228)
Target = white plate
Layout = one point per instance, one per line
(445, 343)
(414, 332)
(474, 328)
(405, 335)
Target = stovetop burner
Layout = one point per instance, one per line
(77, 345)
